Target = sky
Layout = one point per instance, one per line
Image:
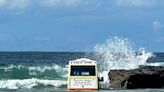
(78, 25)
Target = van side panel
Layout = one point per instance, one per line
(82, 75)
(82, 82)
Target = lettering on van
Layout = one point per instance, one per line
(82, 62)
(83, 83)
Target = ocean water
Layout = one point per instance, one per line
(47, 71)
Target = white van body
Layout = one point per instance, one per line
(82, 75)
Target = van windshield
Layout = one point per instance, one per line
(83, 71)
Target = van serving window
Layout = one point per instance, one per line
(82, 70)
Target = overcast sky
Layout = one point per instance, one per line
(77, 25)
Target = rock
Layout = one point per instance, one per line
(143, 77)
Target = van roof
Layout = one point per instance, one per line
(83, 61)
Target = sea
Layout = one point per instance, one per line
(35, 71)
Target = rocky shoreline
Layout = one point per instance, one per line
(143, 77)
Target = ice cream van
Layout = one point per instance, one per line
(82, 75)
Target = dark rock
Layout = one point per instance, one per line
(143, 81)
(143, 77)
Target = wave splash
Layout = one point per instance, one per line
(118, 53)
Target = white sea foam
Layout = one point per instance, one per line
(29, 83)
(61, 70)
(11, 67)
(118, 53)
(155, 64)
(45, 67)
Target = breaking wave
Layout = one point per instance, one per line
(16, 77)
(53, 71)
(30, 83)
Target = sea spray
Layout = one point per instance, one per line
(119, 53)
